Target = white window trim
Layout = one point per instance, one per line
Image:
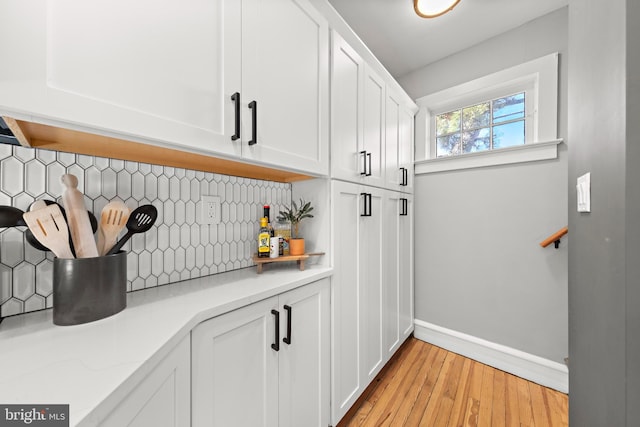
(539, 78)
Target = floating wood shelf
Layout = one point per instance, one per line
(299, 258)
(37, 135)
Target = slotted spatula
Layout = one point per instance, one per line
(141, 219)
(113, 219)
(42, 203)
(50, 229)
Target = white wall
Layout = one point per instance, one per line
(479, 268)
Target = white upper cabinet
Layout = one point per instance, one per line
(285, 73)
(406, 148)
(357, 117)
(393, 173)
(373, 148)
(399, 144)
(371, 139)
(161, 73)
(166, 73)
(347, 77)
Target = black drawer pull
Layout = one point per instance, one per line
(236, 101)
(367, 204)
(287, 339)
(364, 163)
(404, 207)
(276, 344)
(253, 105)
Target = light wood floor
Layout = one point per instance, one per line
(424, 385)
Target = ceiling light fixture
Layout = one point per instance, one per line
(433, 8)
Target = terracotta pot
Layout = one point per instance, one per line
(296, 247)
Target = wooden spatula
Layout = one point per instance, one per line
(50, 229)
(113, 219)
(78, 219)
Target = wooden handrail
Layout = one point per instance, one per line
(555, 237)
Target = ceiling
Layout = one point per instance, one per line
(404, 42)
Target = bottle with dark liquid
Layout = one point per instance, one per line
(267, 215)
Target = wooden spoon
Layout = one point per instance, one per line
(113, 219)
(79, 224)
(50, 229)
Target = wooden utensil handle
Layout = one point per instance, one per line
(78, 219)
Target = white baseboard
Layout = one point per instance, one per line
(525, 365)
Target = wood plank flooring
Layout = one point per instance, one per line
(424, 385)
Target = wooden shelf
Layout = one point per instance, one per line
(300, 259)
(36, 135)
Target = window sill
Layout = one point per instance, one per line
(524, 153)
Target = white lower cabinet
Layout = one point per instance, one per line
(162, 399)
(266, 364)
(372, 300)
(405, 270)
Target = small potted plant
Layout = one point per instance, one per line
(294, 215)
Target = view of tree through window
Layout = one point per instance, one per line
(498, 123)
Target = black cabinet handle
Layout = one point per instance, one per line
(369, 157)
(364, 200)
(276, 344)
(364, 163)
(367, 204)
(404, 209)
(254, 122)
(287, 339)
(404, 177)
(236, 101)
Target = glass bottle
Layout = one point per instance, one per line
(263, 239)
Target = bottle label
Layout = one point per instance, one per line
(263, 243)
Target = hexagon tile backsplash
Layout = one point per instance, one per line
(176, 248)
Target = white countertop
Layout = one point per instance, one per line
(99, 363)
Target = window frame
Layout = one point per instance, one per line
(538, 79)
(527, 118)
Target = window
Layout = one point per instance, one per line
(506, 117)
(497, 123)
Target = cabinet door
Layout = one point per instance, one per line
(406, 147)
(374, 128)
(370, 292)
(304, 356)
(392, 156)
(163, 398)
(406, 247)
(347, 76)
(164, 73)
(235, 370)
(392, 206)
(285, 70)
(346, 384)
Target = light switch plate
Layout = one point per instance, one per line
(584, 193)
(210, 210)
